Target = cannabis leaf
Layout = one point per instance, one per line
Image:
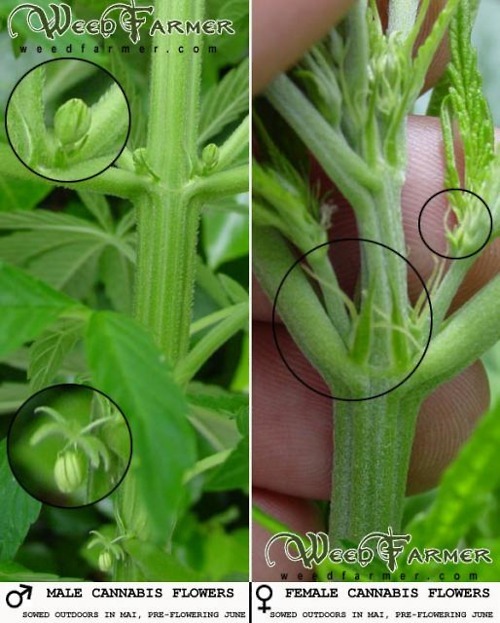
(224, 102)
(467, 105)
(48, 352)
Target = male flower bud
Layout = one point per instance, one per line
(105, 561)
(68, 471)
(72, 122)
(210, 157)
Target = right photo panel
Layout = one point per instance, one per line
(376, 364)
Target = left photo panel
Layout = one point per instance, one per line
(124, 278)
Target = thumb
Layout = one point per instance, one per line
(284, 29)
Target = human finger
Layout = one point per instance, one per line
(424, 178)
(293, 433)
(283, 30)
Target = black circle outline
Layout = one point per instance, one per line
(83, 179)
(274, 322)
(450, 257)
(56, 387)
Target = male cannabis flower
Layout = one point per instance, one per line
(68, 471)
(72, 122)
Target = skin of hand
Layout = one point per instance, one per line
(292, 427)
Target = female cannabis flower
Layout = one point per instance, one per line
(72, 122)
(68, 471)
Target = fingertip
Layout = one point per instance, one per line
(284, 29)
(446, 420)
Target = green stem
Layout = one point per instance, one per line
(330, 289)
(231, 182)
(448, 288)
(268, 522)
(168, 220)
(234, 145)
(303, 313)
(374, 440)
(211, 319)
(114, 182)
(166, 268)
(175, 98)
(205, 464)
(210, 343)
(465, 336)
(330, 148)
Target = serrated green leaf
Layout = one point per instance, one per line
(19, 510)
(99, 207)
(155, 565)
(225, 555)
(26, 120)
(133, 373)
(62, 249)
(72, 268)
(216, 399)
(465, 485)
(467, 102)
(27, 306)
(233, 473)
(219, 431)
(117, 276)
(49, 351)
(224, 103)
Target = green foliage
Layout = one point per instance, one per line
(26, 122)
(153, 564)
(83, 141)
(49, 351)
(65, 251)
(74, 271)
(133, 374)
(224, 103)
(465, 488)
(344, 107)
(19, 511)
(466, 101)
(27, 306)
(16, 197)
(225, 235)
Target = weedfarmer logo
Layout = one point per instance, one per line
(58, 19)
(314, 548)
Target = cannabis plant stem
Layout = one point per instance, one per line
(114, 181)
(167, 215)
(167, 220)
(374, 440)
